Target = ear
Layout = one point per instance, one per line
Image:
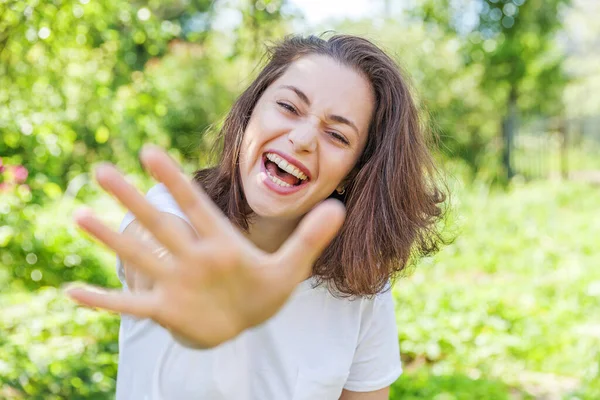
(341, 188)
(350, 177)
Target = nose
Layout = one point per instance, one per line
(303, 138)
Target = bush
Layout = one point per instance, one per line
(52, 349)
(513, 299)
(422, 384)
(41, 246)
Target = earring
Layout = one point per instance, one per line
(341, 190)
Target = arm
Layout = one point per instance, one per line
(381, 394)
(223, 280)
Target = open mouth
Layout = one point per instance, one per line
(283, 173)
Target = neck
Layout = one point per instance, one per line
(269, 234)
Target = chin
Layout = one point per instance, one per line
(267, 208)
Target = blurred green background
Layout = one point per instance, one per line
(509, 310)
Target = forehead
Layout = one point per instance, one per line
(330, 86)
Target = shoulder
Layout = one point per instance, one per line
(376, 362)
(363, 310)
(160, 197)
(379, 306)
(383, 297)
(158, 190)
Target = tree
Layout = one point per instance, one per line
(86, 81)
(514, 42)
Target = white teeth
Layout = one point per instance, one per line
(278, 181)
(287, 167)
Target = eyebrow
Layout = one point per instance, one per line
(333, 117)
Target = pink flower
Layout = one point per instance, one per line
(20, 173)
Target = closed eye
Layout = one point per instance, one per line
(339, 138)
(287, 107)
(336, 136)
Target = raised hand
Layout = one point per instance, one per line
(215, 285)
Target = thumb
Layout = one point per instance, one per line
(316, 230)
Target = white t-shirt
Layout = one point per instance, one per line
(315, 346)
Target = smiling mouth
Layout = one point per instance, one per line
(282, 173)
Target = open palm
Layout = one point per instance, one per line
(215, 285)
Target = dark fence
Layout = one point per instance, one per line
(556, 147)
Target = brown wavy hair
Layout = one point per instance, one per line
(393, 195)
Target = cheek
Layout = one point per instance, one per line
(335, 167)
(244, 150)
(262, 127)
(251, 140)
(270, 122)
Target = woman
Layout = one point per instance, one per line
(251, 282)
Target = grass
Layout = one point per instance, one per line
(510, 309)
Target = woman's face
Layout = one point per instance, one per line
(305, 135)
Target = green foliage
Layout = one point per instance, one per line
(508, 311)
(471, 59)
(83, 82)
(455, 106)
(40, 246)
(422, 384)
(514, 41)
(51, 349)
(513, 299)
(73, 90)
(61, 63)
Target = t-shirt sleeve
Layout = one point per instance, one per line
(160, 198)
(376, 363)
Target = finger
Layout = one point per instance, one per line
(140, 305)
(204, 215)
(127, 247)
(316, 230)
(170, 236)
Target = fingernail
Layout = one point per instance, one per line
(70, 286)
(144, 152)
(82, 212)
(148, 148)
(101, 168)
